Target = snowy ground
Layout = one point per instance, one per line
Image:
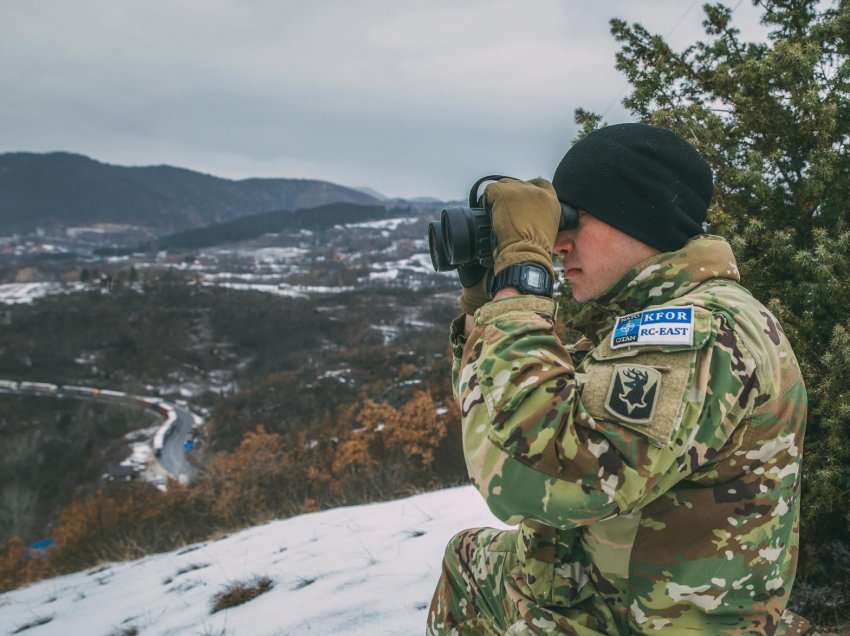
(25, 293)
(366, 570)
(388, 253)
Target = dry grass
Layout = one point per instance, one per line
(40, 620)
(303, 581)
(188, 568)
(240, 592)
(211, 631)
(191, 568)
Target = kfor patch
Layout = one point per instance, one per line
(657, 326)
(633, 393)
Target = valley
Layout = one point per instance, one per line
(279, 330)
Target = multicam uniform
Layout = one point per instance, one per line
(656, 484)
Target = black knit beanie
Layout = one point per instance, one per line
(645, 181)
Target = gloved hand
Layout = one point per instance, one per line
(525, 217)
(475, 279)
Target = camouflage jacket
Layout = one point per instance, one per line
(655, 483)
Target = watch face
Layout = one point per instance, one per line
(534, 278)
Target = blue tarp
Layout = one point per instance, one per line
(43, 544)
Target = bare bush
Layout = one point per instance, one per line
(240, 592)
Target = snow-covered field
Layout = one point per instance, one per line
(25, 293)
(384, 224)
(366, 570)
(386, 253)
(283, 289)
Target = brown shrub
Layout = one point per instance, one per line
(240, 592)
(407, 370)
(242, 487)
(416, 433)
(125, 522)
(18, 566)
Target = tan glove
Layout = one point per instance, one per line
(525, 218)
(476, 286)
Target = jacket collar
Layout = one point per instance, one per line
(656, 281)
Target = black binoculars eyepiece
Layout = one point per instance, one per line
(465, 235)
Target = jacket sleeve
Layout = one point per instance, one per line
(537, 438)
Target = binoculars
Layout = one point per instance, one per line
(465, 235)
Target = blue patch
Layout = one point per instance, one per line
(656, 326)
(626, 330)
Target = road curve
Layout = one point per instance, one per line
(173, 459)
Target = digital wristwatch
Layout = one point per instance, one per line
(527, 278)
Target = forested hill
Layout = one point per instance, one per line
(254, 225)
(62, 189)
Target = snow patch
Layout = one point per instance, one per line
(384, 224)
(25, 293)
(372, 570)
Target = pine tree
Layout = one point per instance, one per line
(773, 120)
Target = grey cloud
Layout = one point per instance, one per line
(407, 97)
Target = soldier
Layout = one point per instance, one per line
(652, 468)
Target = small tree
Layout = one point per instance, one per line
(244, 486)
(773, 120)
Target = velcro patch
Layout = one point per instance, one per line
(633, 393)
(657, 326)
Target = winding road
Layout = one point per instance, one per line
(173, 459)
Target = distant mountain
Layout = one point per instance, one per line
(371, 192)
(64, 189)
(416, 202)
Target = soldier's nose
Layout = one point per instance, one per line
(563, 245)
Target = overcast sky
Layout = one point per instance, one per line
(409, 98)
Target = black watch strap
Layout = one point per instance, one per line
(527, 278)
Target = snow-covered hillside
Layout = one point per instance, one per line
(366, 570)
